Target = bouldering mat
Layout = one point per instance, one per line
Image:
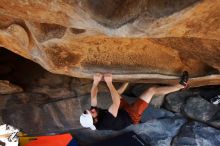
(55, 140)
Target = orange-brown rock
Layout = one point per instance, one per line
(8, 88)
(139, 41)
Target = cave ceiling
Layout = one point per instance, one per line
(139, 41)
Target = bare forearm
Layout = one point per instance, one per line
(94, 92)
(123, 88)
(114, 94)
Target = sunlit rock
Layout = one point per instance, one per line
(145, 41)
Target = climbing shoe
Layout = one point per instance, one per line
(184, 79)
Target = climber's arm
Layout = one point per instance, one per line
(94, 91)
(123, 88)
(113, 109)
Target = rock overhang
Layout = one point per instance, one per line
(144, 41)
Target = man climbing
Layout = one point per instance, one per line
(120, 114)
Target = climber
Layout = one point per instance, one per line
(121, 114)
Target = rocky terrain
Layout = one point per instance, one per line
(49, 51)
(40, 103)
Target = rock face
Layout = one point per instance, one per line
(54, 117)
(197, 134)
(195, 104)
(144, 41)
(51, 103)
(7, 88)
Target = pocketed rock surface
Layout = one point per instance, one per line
(145, 41)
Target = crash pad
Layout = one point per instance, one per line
(55, 140)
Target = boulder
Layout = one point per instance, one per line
(199, 109)
(53, 85)
(50, 118)
(160, 131)
(197, 134)
(195, 104)
(144, 41)
(8, 88)
(215, 120)
(176, 100)
(18, 99)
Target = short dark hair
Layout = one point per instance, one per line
(93, 107)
